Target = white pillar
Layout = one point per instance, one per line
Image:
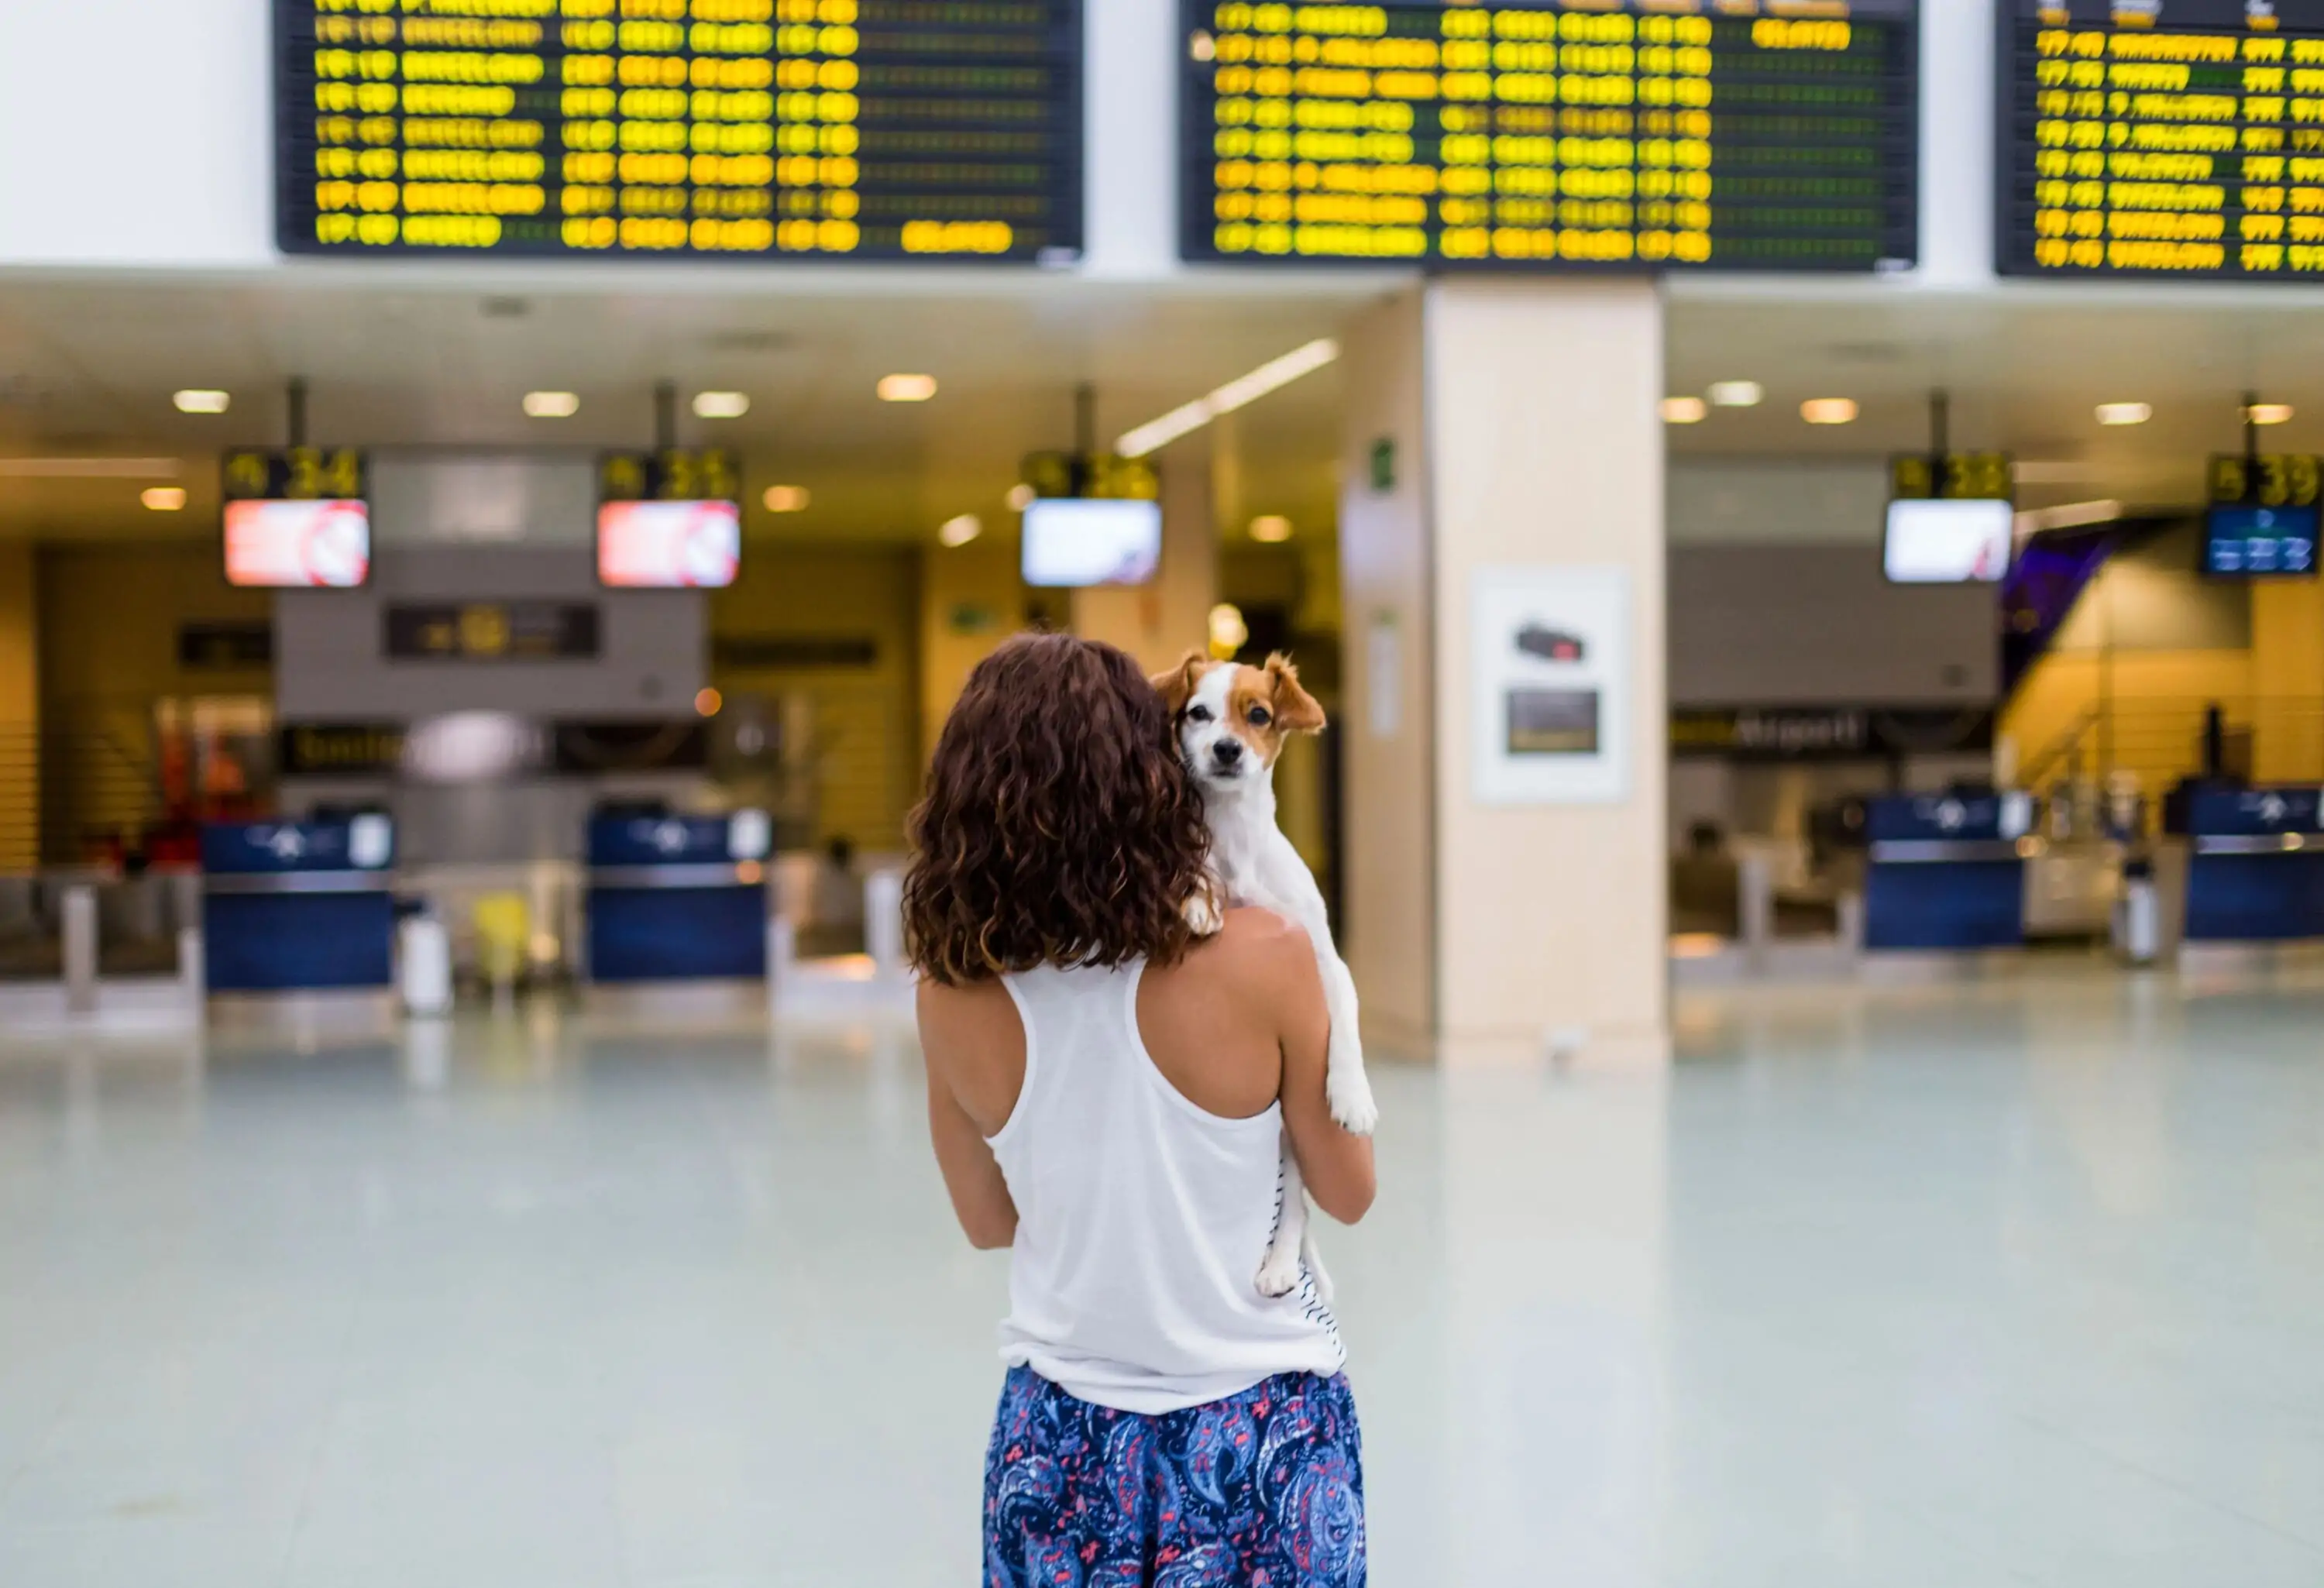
(1503, 472)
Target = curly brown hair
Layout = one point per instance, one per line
(1058, 827)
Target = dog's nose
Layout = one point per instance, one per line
(1228, 751)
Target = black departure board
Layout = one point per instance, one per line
(2162, 138)
(1607, 133)
(751, 129)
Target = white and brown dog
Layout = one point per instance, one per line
(1232, 723)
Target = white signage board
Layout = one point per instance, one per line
(1550, 677)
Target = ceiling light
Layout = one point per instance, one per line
(720, 404)
(961, 530)
(907, 388)
(1021, 496)
(707, 702)
(1270, 529)
(786, 498)
(2068, 515)
(2269, 413)
(2124, 413)
(1243, 390)
(164, 498)
(551, 405)
(1736, 393)
(1684, 411)
(197, 399)
(1828, 410)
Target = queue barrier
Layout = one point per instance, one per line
(299, 907)
(1946, 872)
(677, 898)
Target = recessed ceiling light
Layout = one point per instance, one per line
(1684, 411)
(708, 702)
(2269, 413)
(1021, 496)
(164, 498)
(720, 404)
(1271, 529)
(201, 400)
(551, 405)
(1828, 410)
(2124, 413)
(1736, 393)
(907, 388)
(786, 498)
(961, 530)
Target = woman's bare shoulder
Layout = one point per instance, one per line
(1257, 949)
(966, 1012)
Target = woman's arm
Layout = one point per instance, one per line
(951, 1028)
(1336, 1166)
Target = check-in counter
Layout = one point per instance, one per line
(1946, 871)
(2242, 865)
(677, 898)
(299, 907)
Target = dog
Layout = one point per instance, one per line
(1232, 723)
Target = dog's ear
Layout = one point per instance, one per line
(1295, 711)
(1177, 685)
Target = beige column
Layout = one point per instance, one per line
(971, 599)
(1503, 449)
(1160, 622)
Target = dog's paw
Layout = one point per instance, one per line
(1279, 1274)
(1349, 1094)
(1203, 916)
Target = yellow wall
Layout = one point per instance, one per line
(20, 710)
(2287, 681)
(865, 744)
(108, 647)
(2159, 699)
(971, 599)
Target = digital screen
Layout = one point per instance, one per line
(298, 545)
(752, 129)
(668, 545)
(1073, 542)
(2260, 542)
(2184, 139)
(1942, 542)
(1613, 134)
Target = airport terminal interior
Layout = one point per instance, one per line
(1802, 518)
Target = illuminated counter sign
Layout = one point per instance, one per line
(1622, 133)
(2178, 139)
(753, 129)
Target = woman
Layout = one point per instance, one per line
(1108, 1097)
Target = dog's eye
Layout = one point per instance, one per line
(1257, 716)
(1198, 713)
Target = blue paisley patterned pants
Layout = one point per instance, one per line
(1263, 1489)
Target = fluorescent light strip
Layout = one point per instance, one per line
(1240, 392)
(2068, 515)
(90, 468)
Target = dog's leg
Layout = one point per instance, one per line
(1278, 1275)
(1314, 1259)
(1346, 1087)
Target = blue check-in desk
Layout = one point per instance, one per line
(299, 907)
(2242, 865)
(677, 898)
(1945, 873)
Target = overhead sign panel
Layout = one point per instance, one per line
(1607, 133)
(753, 129)
(2160, 139)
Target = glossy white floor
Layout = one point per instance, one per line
(2019, 1283)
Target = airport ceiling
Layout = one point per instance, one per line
(87, 367)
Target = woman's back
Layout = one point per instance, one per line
(1142, 1147)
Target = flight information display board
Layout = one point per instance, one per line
(852, 129)
(2164, 138)
(1624, 133)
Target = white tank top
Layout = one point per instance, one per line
(1142, 1220)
